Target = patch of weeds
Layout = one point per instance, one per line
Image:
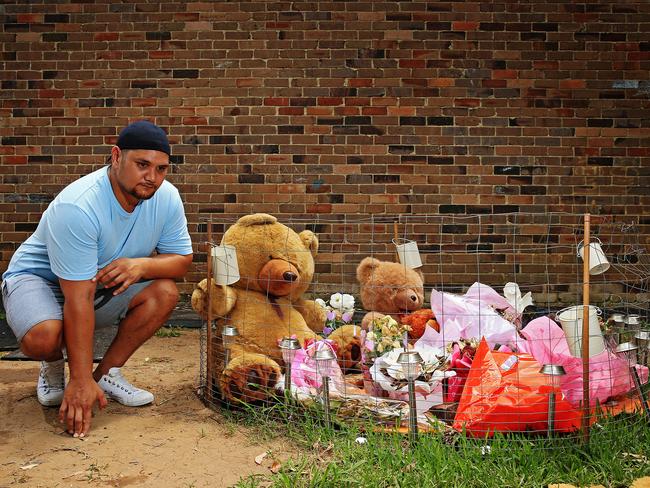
(616, 455)
(171, 331)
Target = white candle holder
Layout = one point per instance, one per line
(408, 253)
(570, 319)
(225, 268)
(598, 263)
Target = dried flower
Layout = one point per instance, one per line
(384, 334)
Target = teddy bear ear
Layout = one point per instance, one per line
(366, 268)
(310, 241)
(257, 219)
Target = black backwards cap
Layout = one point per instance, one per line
(143, 135)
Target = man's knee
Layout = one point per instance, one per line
(164, 293)
(44, 341)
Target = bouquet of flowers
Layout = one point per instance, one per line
(385, 334)
(340, 309)
(388, 376)
(461, 355)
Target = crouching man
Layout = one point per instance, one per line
(106, 251)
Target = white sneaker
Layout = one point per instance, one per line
(51, 383)
(119, 389)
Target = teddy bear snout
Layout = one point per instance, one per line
(408, 300)
(278, 277)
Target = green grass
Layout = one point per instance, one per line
(168, 332)
(616, 455)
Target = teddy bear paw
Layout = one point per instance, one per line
(250, 383)
(350, 354)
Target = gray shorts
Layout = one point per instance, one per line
(29, 300)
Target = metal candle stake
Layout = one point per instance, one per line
(628, 351)
(289, 346)
(411, 363)
(618, 324)
(554, 373)
(325, 359)
(641, 340)
(228, 335)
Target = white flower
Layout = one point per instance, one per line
(321, 302)
(336, 302)
(347, 303)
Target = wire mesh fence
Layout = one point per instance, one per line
(491, 304)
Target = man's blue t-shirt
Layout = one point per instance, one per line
(85, 228)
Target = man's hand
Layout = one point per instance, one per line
(123, 272)
(77, 408)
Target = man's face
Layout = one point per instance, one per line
(139, 172)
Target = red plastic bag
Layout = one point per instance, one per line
(509, 395)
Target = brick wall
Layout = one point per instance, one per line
(328, 110)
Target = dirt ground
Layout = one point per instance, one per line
(176, 442)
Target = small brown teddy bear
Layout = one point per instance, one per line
(388, 289)
(276, 266)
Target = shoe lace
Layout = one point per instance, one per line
(116, 379)
(54, 378)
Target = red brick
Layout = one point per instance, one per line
(573, 84)
(29, 18)
(194, 121)
(106, 36)
(249, 82)
(464, 26)
(330, 101)
(161, 54)
(14, 160)
(51, 93)
(411, 63)
(291, 110)
(504, 73)
(276, 101)
(360, 82)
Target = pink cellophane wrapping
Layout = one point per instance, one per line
(609, 375)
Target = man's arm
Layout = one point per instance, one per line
(78, 328)
(126, 271)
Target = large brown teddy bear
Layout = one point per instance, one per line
(276, 266)
(388, 288)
